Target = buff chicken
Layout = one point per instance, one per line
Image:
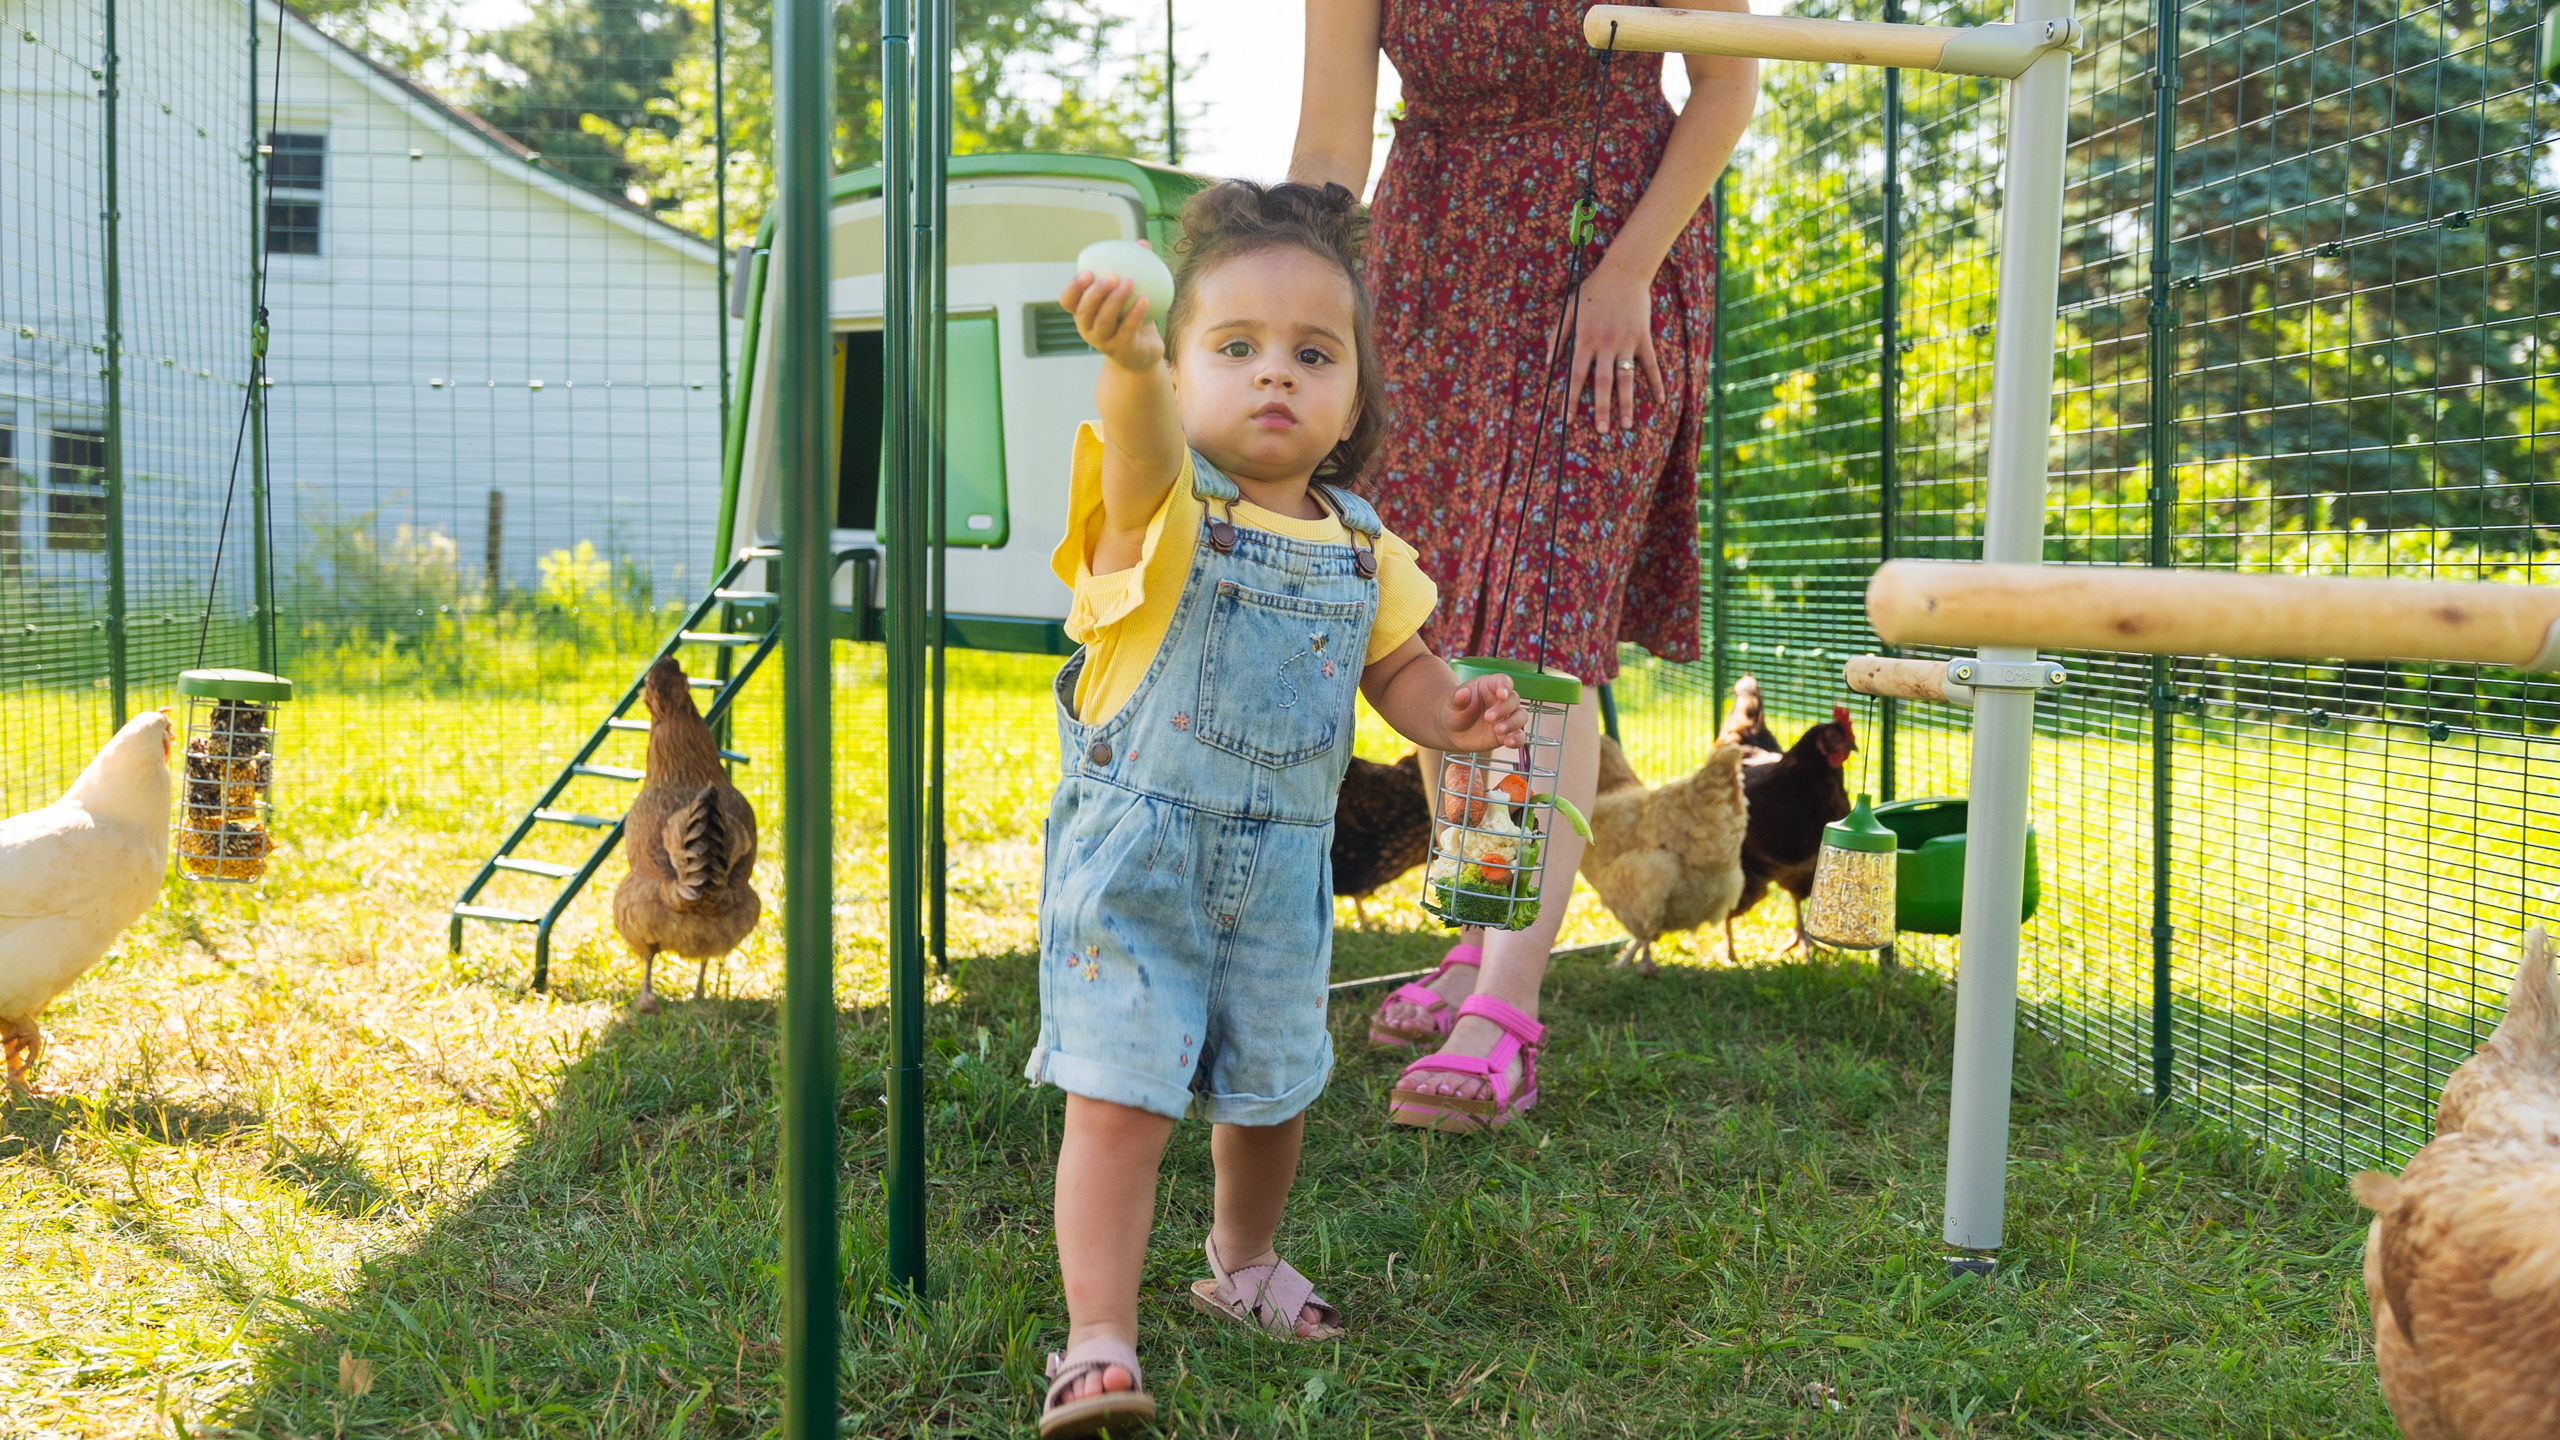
(74, 874)
(690, 890)
(2462, 1265)
(1669, 859)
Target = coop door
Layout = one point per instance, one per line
(974, 510)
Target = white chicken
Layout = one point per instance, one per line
(74, 874)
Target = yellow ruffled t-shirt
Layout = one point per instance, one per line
(1121, 618)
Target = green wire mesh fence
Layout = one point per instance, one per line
(474, 476)
(2303, 330)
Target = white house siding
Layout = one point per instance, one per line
(445, 258)
(184, 204)
(465, 264)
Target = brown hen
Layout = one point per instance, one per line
(1670, 859)
(1790, 803)
(2462, 1265)
(692, 838)
(1381, 827)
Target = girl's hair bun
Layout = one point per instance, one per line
(1238, 218)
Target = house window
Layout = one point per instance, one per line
(75, 504)
(295, 168)
(8, 500)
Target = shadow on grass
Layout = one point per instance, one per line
(1719, 1221)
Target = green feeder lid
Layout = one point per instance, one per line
(1860, 832)
(1548, 686)
(235, 685)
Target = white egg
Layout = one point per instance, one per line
(1141, 267)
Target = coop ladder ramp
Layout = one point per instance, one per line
(745, 649)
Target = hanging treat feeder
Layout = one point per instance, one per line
(1854, 883)
(227, 791)
(1488, 849)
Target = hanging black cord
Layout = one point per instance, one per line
(1580, 230)
(257, 349)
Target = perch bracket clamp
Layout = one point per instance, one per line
(1969, 673)
(2007, 49)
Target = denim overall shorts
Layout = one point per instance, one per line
(1186, 894)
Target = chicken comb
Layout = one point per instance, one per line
(1840, 717)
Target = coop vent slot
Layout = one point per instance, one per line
(1053, 331)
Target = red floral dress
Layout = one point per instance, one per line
(1467, 264)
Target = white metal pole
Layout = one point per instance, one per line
(2004, 719)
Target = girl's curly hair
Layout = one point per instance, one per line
(1239, 218)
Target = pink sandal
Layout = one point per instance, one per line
(1459, 1114)
(1437, 1016)
(1103, 1412)
(1273, 1298)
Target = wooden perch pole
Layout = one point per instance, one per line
(2194, 612)
(2003, 50)
(1897, 679)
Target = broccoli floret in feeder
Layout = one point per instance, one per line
(1497, 878)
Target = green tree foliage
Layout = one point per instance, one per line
(576, 61)
(618, 94)
(1027, 74)
(2361, 260)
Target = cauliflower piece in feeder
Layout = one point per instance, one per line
(228, 779)
(1487, 854)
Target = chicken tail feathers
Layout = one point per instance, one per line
(2531, 1031)
(698, 841)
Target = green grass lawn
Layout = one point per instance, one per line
(311, 1176)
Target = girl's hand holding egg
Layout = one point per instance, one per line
(1119, 297)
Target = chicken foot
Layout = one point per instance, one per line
(22, 1046)
(647, 1004)
(1638, 953)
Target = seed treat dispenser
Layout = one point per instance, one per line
(226, 795)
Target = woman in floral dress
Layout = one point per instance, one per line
(1468, 261)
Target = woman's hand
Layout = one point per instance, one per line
(1113, 319)
(1482, 715)
(1612, 345)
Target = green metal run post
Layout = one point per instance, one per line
(2162, 363)
(111, 261)
(933, 211)
(261, 557)
(1889, 392)
(1720, 664)
(802, 45)
(905, 634)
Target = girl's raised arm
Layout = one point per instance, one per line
(1141, 432)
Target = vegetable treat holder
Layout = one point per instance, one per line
(226, 784)
(1494, 813)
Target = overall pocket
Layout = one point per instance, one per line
(1278, 674)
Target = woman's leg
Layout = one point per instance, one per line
(1105, 1207)
(1515, 961)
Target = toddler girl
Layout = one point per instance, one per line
(1230, 593)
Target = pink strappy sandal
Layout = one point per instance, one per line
(1460, 1114)
(1114, 1412)
(1437, 1016)
(1271, 1298)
